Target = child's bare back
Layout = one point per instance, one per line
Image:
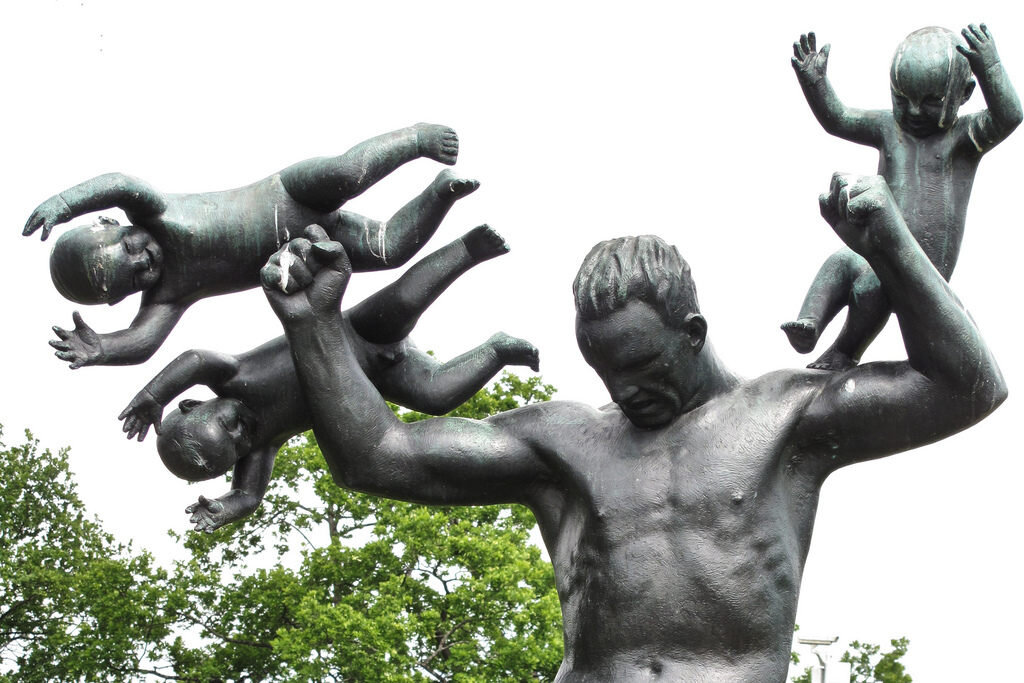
(928, 156)
(181, 248)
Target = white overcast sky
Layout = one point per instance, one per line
(583, 122)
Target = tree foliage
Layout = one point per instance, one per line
(869, 664)
(320, 584)
(74, 604)
(360, 588)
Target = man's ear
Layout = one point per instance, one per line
(968, 90)
(696, 329)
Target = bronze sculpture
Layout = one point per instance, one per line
(926, 154)
(182, 248)
(678, 518)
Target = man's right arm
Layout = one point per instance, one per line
(439, 461)
(856, 125)
(135, 197)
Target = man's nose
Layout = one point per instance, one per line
(914, 108)
(621, 390)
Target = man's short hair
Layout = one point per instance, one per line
(644, 268)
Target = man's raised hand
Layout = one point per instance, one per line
(862, 211)
(307, 277)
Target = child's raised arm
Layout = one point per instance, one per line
(249, 484)
(83, 346)
(133, 196)
(209, 368)
(988, 128)
(856, 125)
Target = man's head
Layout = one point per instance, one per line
(204, 439)
(104, 262)
(639, 327)
(929, 79)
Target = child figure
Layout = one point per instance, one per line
(927, 155)
(184, 247)
(260, 404)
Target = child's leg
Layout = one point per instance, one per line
(390, 315)
(420, 382)
(325, 183)
(379, 245)
(828, 293)
(868, 313)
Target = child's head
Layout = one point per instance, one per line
(929, 79)
(104, 262)
(204, 439)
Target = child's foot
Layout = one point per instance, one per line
(515, 351)
(439, 143)
(802, 334)
(833, 360)
(483, 243)
(449, 186)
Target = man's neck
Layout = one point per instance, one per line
(714, 379)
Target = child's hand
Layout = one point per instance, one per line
(80, 346)
(143, 411)
(808, 62)
(50, 213)
(208, 515)
(981, 52)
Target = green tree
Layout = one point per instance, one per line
(323, 584)
(74, 604)
(869, 664)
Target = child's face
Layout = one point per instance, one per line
(929, 81)
(208, 439)
(125, 260)
(225, 425)
(918, 113)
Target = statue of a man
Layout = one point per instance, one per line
(678, 519)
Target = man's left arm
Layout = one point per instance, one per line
(950, 380)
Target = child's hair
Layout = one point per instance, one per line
(188, 450)
(71, 269)
(929, 57)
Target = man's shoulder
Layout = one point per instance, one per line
(550, 415)
(790, 389)
(788, 380)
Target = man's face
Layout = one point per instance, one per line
(647, 366)
(123, 260)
